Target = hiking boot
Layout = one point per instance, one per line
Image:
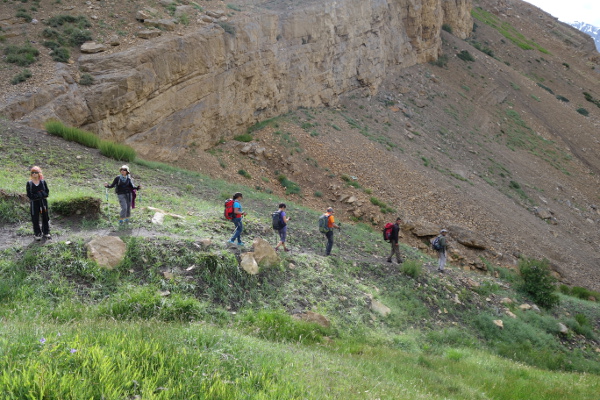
(48, 236)
(230, 242)
(38, 237)
(241, 244)
(389, 260)
(286, 249)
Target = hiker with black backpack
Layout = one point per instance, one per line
(326, 226)
(37, 192)
(394, 232)
(280, 220)
(440, 245)
(125, 189)
(236, 217)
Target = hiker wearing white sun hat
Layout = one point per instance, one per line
(124, 187)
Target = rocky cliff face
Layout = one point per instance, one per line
(174, 91)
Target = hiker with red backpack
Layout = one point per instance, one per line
(233, 211)
(280, 221)
(391, 233)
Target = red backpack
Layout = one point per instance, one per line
(387, 231)
(228, 213)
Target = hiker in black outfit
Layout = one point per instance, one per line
(125, 190)
(37, 191)
(394, 241)
(283, 227)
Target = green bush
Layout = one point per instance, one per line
(85, 206)
(227, 27)
(290, 187)
(441, 62)
(60, 54)
(465, 56)
(117, 151)
(583, 111)
(21, 77)
(51, 44)
(546, 88)
(244, 173)
(86, 80)
(447, 28)
(562, 98)
(584, 293)
(538, 282)
(412, 268)
(21, 55)
(246, 137)
(60, 20)
(23, 14)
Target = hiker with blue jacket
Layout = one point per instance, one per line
(283, 220)
(125, 189)
(394, 242)
(37, 192)
(238, 214)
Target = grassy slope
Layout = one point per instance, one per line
(73, 330)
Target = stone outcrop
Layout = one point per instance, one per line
(107, 251)
(210, 84)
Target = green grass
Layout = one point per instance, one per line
(22, 56)
(507, 30)
(71, 134)
(213, 331)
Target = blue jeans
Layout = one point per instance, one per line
(239, 227)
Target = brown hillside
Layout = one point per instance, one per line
(494, 148)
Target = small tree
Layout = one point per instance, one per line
(538, 282)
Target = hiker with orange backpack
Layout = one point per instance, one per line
(236, 215)
(391, 233)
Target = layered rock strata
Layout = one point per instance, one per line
(172, 92)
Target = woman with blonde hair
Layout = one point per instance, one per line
(37, 191)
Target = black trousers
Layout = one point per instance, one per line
(39, 211)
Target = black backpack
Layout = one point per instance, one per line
(436, 244)
(278, 222)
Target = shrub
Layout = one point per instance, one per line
(86, 206)
(86, 80)
(583, 111)
(21, 77)
(290, 187)
(447, 28)
(584, 293)
(546, 88)
(117, 151)
(441, 62)
(51, 44)
(60, 55)
(23, 14)
(318, 194)
(21, 55)
(412, 268)
(246, 137)
(562, 98)
(227, 27)
(77, 37)
(60, 20)
(244, 173)
(538, 282)
(279, 326)
(465, 56)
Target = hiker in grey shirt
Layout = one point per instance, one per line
(442, 252)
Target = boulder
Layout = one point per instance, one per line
(422, 229)
(562, 328)
(158, 218)
(164, 23)
(264, 253)
(107, 251)
(249, 264)
(499, 323)
(93, 47)
(525, 307)
(317, 318)
(380, 308)
(468, 238)
(148, 33)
